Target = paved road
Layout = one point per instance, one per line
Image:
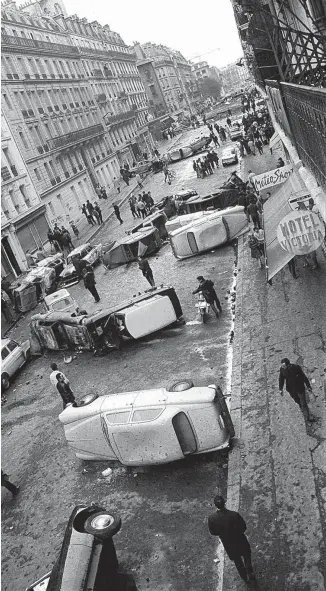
(164, 539)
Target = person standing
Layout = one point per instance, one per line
(87, 215)
(90, 208)
(132, 207)
(280, 163)
(65, 391)
(230, 527)
(295, 380)
(139, 181)
(259, 145)
(253, 212)
(74, 229)
(98, 212)
(9, 485)
(89, 282)
(206, 286)
(6, 287)
(53, 375)
(146, 270)
(30, 259)
(141, 207)
(117, 213)
(6, 307)
(116, 184)
(292, 269)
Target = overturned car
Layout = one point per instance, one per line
(108, 329)
(143, 241)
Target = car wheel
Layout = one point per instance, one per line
(5, 381)
(88, 399)
(181, 386)
(225, 412)
(102, 525)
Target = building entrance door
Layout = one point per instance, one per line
(9, 256)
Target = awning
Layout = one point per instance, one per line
(275, 209)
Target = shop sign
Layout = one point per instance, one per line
(300, 232)
(271, 178)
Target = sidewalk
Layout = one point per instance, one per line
(277, 469)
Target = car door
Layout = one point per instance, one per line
(17, 357)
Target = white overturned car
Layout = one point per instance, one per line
(149, 426)
(208, 231)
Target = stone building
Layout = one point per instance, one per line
(235, 76)
(23, 220)
(74, 102)
(203, 70)
(173, 73)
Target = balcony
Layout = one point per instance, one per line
(75, 137)
(97, 73)
(120, 118)
(304, 121)
(19, 44)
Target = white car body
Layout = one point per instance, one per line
(183, 220)
(208, 232)
(61, 301)
(13, 357)
(89, 253)
(229, 156)
(236, 130)
(148, 426)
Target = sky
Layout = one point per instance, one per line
(202, 31)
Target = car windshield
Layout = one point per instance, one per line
(4, 353)
(12, 345)
(61, 304)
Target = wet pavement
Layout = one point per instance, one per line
(164, 539)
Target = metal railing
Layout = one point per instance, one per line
(120, 117)
(74, 137)
(23, 42)
(302, 116)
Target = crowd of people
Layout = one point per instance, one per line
(204, 166)
(141, 206)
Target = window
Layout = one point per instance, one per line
(7, 101)
(37, 174)
(146, 414)
(12, 345)
(23, 140)
(4, 353)
(184, 433)
(118, 418)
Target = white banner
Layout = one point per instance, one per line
(272, 177)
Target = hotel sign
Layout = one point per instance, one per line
(300, 232)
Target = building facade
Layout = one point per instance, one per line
(173, 73)
(23, 221)
(74, 102)
(236, 76)
(203, 70)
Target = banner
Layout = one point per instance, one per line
(272, 177)
(300, 232)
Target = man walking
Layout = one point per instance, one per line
(117, 213)
(89, 282)
(296, 380)
(206, 286)
(138, 180)
(144, 266)
(230, 527)
(98, 213)
(64, 390)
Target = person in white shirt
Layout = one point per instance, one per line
(53, 375)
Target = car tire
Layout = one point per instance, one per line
(5, 381)
(177, 387)
(225, 412)
(102, 525)
(88, 399)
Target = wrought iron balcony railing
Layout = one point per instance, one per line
(305, 123)
(22, 43)
(120, 117)
(75, 137)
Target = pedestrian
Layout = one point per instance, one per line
(280, 163)
(194, 165)
(150, 199)
(206, 286)
(66, 242)
(259, 145)
(132, 207)
(251, 146)
(89, 282)
(98, 212)
(259, 234)
(141, 207)
(222, 134)
(117, 213)
(230, 527)
(253, 213)
(214, 139)
(250, 177)
(103, 193)
(139, 181)
(65, 391)
(6, 307)
(30, 260)
(6, 287)
(255, 249)
(295, 380)
(90, 208)
(229, 121)
(74, 229)
(13, 488)
(87, 215)
(146, 270)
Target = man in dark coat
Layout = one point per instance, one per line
(117, 213)
(146, 270)
(296, 380)
(229, 526)
(89, 282)
(206, 286)
(253, 212)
